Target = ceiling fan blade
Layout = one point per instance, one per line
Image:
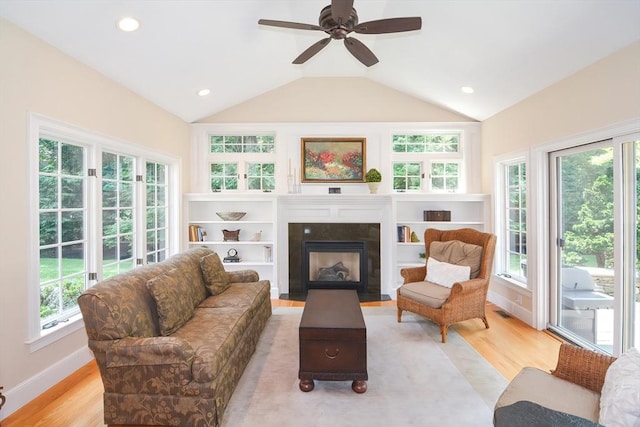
(390, 25)
(360, 51)
(341, 10)
(287, 24)
(312, 50)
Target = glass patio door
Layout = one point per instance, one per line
(594, 244)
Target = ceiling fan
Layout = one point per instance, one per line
(338, 20)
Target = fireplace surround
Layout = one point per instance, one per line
(316, 246)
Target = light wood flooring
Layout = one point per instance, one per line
(508, 345)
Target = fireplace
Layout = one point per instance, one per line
(334, 264)
(359, 241)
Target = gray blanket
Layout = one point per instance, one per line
(531, 414)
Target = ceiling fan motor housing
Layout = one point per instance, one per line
(337, 30)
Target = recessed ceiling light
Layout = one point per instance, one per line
(128, 24)
(204, 92)
(467, 89)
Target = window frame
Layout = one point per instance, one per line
(501, 208)
(94, 144)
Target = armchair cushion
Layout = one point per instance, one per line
(446, 274)
(215, 277)
(169, 292)
(427, 293)
(458, 253)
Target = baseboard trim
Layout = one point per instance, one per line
(511, 307)
(28, 390)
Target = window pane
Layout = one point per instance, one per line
(48, 228)
(48, 190)
(72, 287)
(49, 267)
(150, 176)
(72, 226)
(72, 259)
(48, 156)
(72, 160)
(72, 193)
(126, 169)
(109, 163)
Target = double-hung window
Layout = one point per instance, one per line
(241, 162)
(427, 161)
(101, 207)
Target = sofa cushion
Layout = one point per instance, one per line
(538, 386)
(214, 334)
(215, 276)
(445, 274)
(458, 253)
(620, 399)
(426, 293)
(249, 296)
(170, 291)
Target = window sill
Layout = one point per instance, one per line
(517, 285)
(49, 336)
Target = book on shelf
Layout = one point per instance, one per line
(197, 233)
(404, 233)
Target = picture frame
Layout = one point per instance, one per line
(333, 160)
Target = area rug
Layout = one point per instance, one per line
(414, 379)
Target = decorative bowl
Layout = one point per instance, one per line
(231, 216)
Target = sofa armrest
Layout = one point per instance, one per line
(414, 274)
(583, 367)
(149, 352)
(243, 276)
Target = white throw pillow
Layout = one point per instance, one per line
(445, 274)
(620, 397)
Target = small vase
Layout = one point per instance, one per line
(373, 187)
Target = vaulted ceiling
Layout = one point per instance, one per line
(505, 50)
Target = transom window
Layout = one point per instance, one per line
(426, 143)
(242, 144)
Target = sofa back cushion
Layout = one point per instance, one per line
(170, 291)
(215, 277)
(458, 253)
(122, 305)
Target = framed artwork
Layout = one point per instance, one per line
(333, 159)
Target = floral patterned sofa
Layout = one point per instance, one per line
(172, 339)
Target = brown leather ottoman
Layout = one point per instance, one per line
(333, 339)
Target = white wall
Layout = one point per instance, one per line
(36, 78)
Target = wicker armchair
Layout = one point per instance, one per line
(465, 300)
(572, 389)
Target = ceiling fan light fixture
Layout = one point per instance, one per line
(128, 24)
(204, 92)
(467, 89)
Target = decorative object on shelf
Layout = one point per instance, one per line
(414, 237)
(232, 256)
(373, 179)
(197, 233)
(268, 255)
(437, 215)
(335, 190)
(422, 255)
(231, 216)
(256, 236)
(404, 233)
(231, 235)
(333, 159)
